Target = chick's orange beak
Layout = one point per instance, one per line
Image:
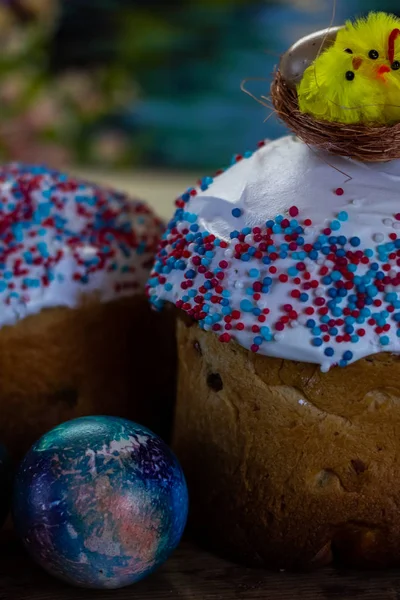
(357, 62)
(383, 69)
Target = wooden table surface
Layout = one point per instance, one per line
(193, 574)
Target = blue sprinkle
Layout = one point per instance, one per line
(329, 351)
(384, 340)
(254, 272)
(371, 290)
(391, 297)
(348, 355)
(236, 212)
(317, 342)
(355, 241)
(246, 305)
(343, 216)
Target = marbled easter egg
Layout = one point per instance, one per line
(5, 483)
(100, 502)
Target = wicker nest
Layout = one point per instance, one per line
(361, 142)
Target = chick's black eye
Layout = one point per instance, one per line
(350, 75)
(349, 51)
(396, 65)
(374, 54)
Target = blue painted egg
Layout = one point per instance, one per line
(100, 502)
(5, 483)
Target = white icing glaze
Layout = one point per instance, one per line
(280, 175)
(62, 240)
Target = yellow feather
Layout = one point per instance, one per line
(369, 33)
(371, 97)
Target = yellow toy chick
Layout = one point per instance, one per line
(356, 79)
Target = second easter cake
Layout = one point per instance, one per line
(76, 334)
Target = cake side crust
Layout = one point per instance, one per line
(289, 467)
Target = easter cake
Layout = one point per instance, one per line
(284, 271)
(76, 336)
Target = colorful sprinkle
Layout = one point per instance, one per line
(341, 289)
(61, 238)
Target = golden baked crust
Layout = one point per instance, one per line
(289, 467)
(96, 359)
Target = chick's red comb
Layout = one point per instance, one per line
(392, 38)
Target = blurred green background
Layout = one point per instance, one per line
(154, 83)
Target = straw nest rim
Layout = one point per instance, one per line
(365, 143)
